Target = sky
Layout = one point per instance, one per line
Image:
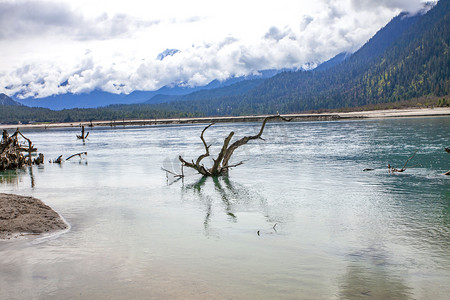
(77, 46)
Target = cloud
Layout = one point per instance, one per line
(276, 34)
(411, 6)
(116, 51)
(30, 18)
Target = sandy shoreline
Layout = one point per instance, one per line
(21, 215)
(391, 113)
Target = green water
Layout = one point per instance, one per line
(300, 219)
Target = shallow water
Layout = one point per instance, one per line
(299, 220)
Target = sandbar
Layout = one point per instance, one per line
(22, 215)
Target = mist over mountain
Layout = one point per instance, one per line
(98, 98)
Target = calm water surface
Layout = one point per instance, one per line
(327, 230)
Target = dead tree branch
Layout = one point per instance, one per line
(77, 154)
(57, 161)
(448, 151)
(393, 170)
(221, 164)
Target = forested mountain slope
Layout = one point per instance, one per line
(5, 100)
(407, 58)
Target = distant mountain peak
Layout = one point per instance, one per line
(427, 6)
(167, 52)
(422, 11)
(333, 61)
(5, 100)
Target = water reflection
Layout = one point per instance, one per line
(13, 177)
(10, 176)
(366, 279)
(233, 197)
(342, 233)
(30, 172)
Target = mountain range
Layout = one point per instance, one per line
(406, 59)
(167, 93)
(5, 100)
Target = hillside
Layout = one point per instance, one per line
(236, 89)
(98, 98)
(408, 58)
(5, 100)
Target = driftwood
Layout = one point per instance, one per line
(221, 164)
(77, 154)
(60, 159)
(83, 136)
(394, 170)
(11, 156)
(57, 161)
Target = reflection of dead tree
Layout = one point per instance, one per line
(11, 156)
(221, 164)
(82, 136)
(393, 170)
(233, 197)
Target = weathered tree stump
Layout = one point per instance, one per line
(83, 136)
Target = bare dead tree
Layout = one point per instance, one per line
(394, 170)
(221, 164)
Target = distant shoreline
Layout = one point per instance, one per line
(373, 114)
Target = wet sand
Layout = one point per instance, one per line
(21, 215)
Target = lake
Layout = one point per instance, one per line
(300, 219)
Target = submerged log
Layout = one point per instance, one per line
(57, 161)
(222, 164)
